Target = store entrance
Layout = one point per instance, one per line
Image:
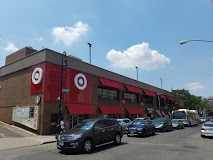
(74, 119)
(53, 123)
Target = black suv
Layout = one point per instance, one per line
(90, 133)
(162, 124)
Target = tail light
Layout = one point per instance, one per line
(203, 129)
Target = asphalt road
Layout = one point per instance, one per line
(184, 144)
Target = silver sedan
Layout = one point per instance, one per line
(207, 129)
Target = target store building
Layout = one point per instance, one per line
(30, 84)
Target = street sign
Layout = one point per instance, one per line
(65, 90)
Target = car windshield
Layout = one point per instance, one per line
(158, 120)
(208, 125)
(174, 121)
(139, 122)
(85, 125)
(179, 116)
(120, 121)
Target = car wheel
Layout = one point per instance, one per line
(144, 133)
(153, 132)
(178, 127)
(202, 136)
(87, 146)
(164, 129)
(117, 139)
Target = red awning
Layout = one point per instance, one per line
(149, 93)
(80, 109)
(110, 83)
(170, 98)
(111, 110)
(161, 96)
(133, 89)
(133, 110)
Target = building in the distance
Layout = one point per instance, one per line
(30, 84)
(211, 100)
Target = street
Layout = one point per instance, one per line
(184, 144)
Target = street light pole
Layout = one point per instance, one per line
(161, 82)
(186, 41)
(90, 45)
(63, 63)
(137, 72)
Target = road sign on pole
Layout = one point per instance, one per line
(65, 90)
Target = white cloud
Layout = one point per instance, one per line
(69, 35)
(10, 48)
(194, 86)
(139, 55)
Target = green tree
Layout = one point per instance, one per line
(183, 99)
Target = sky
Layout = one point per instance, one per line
(124, 34)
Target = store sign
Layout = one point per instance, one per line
(80, 81)
(149, 110)
(37, 99)
(27, 116)
(37, 75)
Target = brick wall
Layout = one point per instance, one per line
(18, 55)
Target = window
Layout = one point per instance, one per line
(148, 99)
(169, 103)
(132, 97)
(107, 93)
(126, 121)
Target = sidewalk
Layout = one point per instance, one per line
(27, 139)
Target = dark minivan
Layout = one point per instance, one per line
(90, 133)
(163, 124)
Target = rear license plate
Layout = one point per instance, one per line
(131, 132)
(61, 143)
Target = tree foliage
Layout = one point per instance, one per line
(183, 99)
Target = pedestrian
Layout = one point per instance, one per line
(62, 127)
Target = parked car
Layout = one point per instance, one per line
(177, 124)
(203, 119)
(163, 124)
(207, 129)
(142, 118)
(141, 128)
(90, 133)
(125, 122)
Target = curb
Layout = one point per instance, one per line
(47, 142)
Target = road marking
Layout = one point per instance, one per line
(17, 128)
(14, 131)
(154, 144)
(2, 135)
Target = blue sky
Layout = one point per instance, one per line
(124, 34)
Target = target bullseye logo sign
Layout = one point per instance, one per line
(37, 75)
(80, 81)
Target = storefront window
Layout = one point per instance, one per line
(133, 97)
(116, 116)
(169, 103)
(107, 93)
(148, 99)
